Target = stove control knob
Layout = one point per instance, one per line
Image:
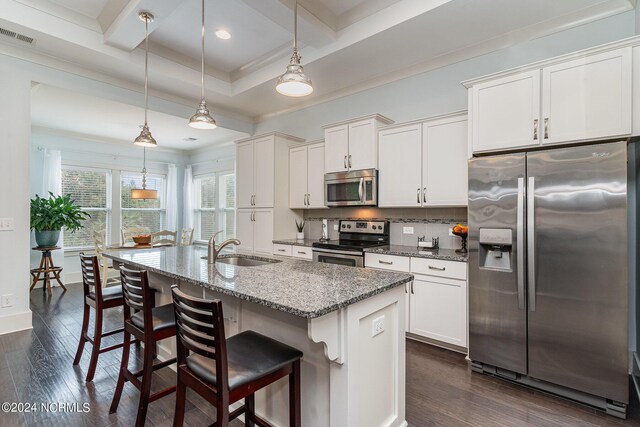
(343, 226)
(348, 226)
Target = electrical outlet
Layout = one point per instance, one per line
(407, 230)
(377, 326)
(7, 300)
(335, 227)
(6, 224)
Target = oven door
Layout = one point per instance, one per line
(350, 259)
(357, 188)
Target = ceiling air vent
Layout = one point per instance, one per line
(17, 36)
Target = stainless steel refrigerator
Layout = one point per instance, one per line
(548, 271)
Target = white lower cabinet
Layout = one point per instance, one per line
(255, 230)
(436, 299)
(302, 252)
(438, 309)
(283, 250)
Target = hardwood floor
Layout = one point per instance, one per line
(36, 366)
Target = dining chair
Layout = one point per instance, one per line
(127, 233)
(186, 237)
(100, 243)
(164, 238)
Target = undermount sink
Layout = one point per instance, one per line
(244, 261)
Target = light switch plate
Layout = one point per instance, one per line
(407, 230)
(7, 224)
(7, 300)
(335, 227)
(377, 326)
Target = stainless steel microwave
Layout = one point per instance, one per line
(354, 188)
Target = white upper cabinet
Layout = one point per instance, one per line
(363, 150)
(315, 175)
(336, 141)
(255, 173)
(244, 175)
(587, 98)
(263, 183)
(298, 178)
(306, 177)
(400, 174)
(353, 145)
(444, 162)
(424, 164)
(506, 112)
(582, 96)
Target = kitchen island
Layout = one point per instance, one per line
(353, 374)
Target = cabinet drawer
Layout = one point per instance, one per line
(387, 262)
(284, 250)
(439, 268)
(302, 252)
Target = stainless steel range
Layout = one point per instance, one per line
(354, 237)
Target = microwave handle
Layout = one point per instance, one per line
(361, 190)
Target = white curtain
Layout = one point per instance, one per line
(52, 182)
(187, 218)
(172, 199)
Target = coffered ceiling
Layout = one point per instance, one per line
(346, 45)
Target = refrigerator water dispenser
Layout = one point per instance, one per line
(496, 248)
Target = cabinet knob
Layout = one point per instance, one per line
(345, 162)
(546, 128)
(535, 129)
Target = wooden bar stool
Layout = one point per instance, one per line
(46, 269)
(100, 299)
(225, 371)
(149, 325)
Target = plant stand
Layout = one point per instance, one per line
(47, 269)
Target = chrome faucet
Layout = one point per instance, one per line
(214, 250)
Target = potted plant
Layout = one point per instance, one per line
(50, 215)
(300, 227)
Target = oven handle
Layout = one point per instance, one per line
(337, 252)
(361, 190)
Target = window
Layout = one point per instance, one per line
(215, 202)
(91, 190)
(147, 214)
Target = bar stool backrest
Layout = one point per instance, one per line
(137, 295)
(91, 275)
(200, 329)
(186, 237)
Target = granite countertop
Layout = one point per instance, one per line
(295, 242)
(412, 251)
(298, 287)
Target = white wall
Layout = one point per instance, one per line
(15, 122)
(439, 91)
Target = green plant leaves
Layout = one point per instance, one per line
(55, 213)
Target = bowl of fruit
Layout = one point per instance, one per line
(143, 239)
(461, 231)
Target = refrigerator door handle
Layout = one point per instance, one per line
(531, 244)
(520, 242)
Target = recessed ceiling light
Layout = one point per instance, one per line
(223, 34)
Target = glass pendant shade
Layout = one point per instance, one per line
(145, 139)
(202, 118)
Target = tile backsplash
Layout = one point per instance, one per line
(429, 222)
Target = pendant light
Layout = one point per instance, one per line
(202, 118)
(145, 139)
(293, 82)
(144, 193)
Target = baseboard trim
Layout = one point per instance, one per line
(15, 322)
